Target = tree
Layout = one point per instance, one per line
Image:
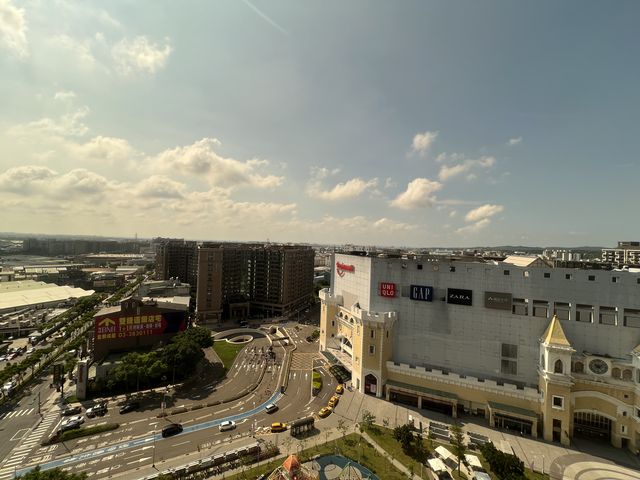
(404, 435)
(53, 474)
(457, 441)
(368, 420)
(199, 335)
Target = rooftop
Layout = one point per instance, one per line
(24, 293)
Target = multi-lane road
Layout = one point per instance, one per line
(138, 443)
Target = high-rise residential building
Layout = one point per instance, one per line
(545, 351)
(627, 253)
(236, 281)
(177, 259)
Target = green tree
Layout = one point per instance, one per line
(53, 474)
(368, 420)
(404, 435)
(457, 441)
(199, 335)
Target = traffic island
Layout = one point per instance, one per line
(80, 432)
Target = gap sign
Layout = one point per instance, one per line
(421, 292)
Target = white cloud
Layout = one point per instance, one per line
(107, 149)
(474, 227)
(159, 186)
(390, 183)
(80, 49)
(13, 29)
(419, 193)
(24, 179)
(514, 141)
(423, 141)
(200, 159)
(64, 95)
(320, 173)
(482, 212)
(449, 171)
(453, 213)
(139, 55)
(342, 191)
(69, 124)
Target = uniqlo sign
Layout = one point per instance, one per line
(387, 289)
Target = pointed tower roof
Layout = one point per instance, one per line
(554, 335)
(291, 463)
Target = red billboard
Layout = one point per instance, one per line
(118, 326)
(387, 289)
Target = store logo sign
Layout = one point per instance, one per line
(421, 292)
(387, 289)
(458, 296)
(342, 268)
(497, 300)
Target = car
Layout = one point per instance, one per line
(340, 389)
(227, 425)
(171, 429)
(333, 401)
(130, 406)
(71, 423)
(3, 358)
(97, 410)
(30, 350)
(272, 407)
(278, 427)
(325, 412)
(71, 411)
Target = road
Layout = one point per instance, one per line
(138, 442)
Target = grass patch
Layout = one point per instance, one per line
(227, 352)
(71, 399)
(352, 446)
(412, 459)
(82, 432)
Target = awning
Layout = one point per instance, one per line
(423, 390)
(511, 410)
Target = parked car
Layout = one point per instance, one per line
(333, 401)
(278, 427)
(97, 410)
(340, 389)
(171, 429)
(130, 406)
(272, 407)
(71, 423)
(325, 412)
(227, 425)
(71, 411)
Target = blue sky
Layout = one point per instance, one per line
(415, 123)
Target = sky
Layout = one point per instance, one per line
(414, 123)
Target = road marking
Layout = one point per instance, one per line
(19, 435)
(204, 416)
(181, 443)
(136, 421)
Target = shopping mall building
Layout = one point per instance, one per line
(548, 352)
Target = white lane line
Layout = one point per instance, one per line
(181, 443)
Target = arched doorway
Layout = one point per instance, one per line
(371, 384)
(592, 425)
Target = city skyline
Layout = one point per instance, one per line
(431, 123)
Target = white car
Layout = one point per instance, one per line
(227, 425)
(272, 407)
(71, 422)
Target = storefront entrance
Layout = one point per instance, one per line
(507, 422)
(404, 398)
(370, 385)
(436, 406)
(592, 425)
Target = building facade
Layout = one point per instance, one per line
(545, 351)
(236, 281)
(627, 253)
(177, 259)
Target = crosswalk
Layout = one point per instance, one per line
(16, 459)
(17, 413)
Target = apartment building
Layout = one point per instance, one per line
(627, 253)
(177, 259)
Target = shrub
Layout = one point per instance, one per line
(504, 465)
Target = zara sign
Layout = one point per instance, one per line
(458, 296)
(421, 292)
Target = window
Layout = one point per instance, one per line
(638, 412)
(568, 276)
(623, 429)
(509, 367)
(452, 269)
(525, 274)
(562, 310)
(558, 367)
(547, 274)
(419, 266)
(557, 402)
(592, 278)
(578, 367)
(608, 316)
(615, 373)
(372, 349)
(509, 351)
(540, 308)
(631, 318)
(519, 306)
(333, 323)
(627, 375)
(373, 334)
(584, 313)
(507, 272)
(614, 279)
(387, 333)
